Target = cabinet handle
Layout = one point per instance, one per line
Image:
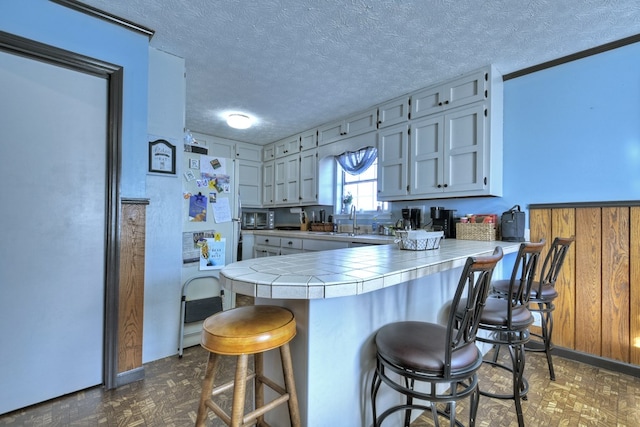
(446, 185)
(446, 102)
(290, 243)
(439, 186)
(439, 104)
(266, 240)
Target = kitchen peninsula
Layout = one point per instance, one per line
(340, 299)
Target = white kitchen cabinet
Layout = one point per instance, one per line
(393, 112)
(268, 183)
(268, 152)
(246, 151)
(308, 140)
(219, 147)
(287, 146)
(250, 183)
(290, 246)
(308, 181)
(454, 153)
(286, 180)
(266, 246)
(461, 91)
(354, 125)
(393, 159)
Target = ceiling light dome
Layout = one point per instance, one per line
(239, 121)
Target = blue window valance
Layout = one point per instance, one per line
(356, 162)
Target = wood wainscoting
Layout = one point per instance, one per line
(131, 290)
(598, 307)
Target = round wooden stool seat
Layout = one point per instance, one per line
(243, 332)
(248, 330)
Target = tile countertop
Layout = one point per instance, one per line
(347, 272)
(374, 239)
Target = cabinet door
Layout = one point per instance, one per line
(268, 186)
(426, 174)
(287, 146)
(223, 148)
(361, 123)
(427, 101)
(292, 180)
(309, 176)
(268, 152)
(393, 112)
(392, 161)
(308, 140)
(464, 149)
(250, 183)
(280, 181)
(455, 93)
(246, 151)
(330, 132)
(465, 90)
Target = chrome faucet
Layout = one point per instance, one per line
(353, 217)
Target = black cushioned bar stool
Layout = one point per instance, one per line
(506, 322)
(438, 355)
(244, 331)
(543, 295)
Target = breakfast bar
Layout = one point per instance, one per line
(340, 298)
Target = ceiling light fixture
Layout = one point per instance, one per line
(239, 121)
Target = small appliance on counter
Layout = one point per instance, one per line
(444, 220)
(411, 218)
(258, 220)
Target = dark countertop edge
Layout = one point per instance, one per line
(615, 203)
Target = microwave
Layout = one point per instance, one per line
(258, 220)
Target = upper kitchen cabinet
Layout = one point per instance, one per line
(269, 152)
(454, 153)
(308, 182)
(393, 157)
(268, 183)
(286, 180)
(308, 140)
(246, 151)
(393, 112)
(464, 90)
(250, 183)
(287, 146)
(351, 126)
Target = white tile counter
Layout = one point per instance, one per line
(340, 298)
(347, 272)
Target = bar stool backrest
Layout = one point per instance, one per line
(472, 290)
(523, 275)
(553, 262)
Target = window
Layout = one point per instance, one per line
(363, 187)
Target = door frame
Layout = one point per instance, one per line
(114, 74)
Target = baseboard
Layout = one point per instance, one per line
(130, 376)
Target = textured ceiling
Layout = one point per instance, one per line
(296, 64)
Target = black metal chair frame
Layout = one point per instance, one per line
(549, 275)
(474, 285)
(509, 333)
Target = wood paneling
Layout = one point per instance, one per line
(634, 283)
(131, 288)
(615, 283)
(588, 280)
(563, 224)
(598, 308)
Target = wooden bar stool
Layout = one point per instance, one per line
(241, 332)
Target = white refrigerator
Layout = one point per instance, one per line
(211, 230)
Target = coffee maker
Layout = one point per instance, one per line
(443, 220)
(411, 218)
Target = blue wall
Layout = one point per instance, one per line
(61, 27)
(571, 134)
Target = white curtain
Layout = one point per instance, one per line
(356, 162)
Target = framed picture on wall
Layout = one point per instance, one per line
(162, 157)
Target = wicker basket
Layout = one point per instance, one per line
(432, 241)
(470, 231)
(321, 226)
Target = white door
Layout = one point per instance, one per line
(52, 222)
